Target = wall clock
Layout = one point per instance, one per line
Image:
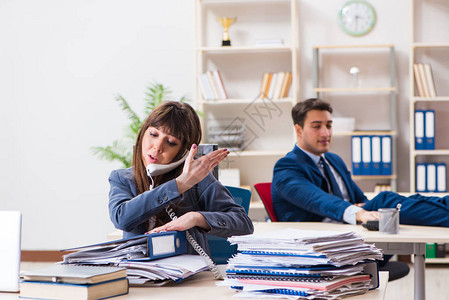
(357, 17)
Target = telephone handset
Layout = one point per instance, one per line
(159, 169)
(210, 263)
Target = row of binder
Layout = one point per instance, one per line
(371, 155)
(431, 177)
(424, 129)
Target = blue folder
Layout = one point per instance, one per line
(356, 148)
(367, 163)
(387, 149)
(429, 129)
(419, 130)
(159, 245)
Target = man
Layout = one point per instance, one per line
(311, 184)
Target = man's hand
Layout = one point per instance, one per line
(196, 170)
(363, 216)
(184, 222)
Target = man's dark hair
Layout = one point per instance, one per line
(300, 110)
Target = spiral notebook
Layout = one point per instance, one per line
(324, 285)
(316, 274)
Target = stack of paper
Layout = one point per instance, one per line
(150, 259)
(164, 270)
(306, 263)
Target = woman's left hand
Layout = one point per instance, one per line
(184, 222)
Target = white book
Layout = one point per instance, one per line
(429, 79)
(210, 77)
(202, 87)
(272, 85)
(278, 85)
(219, 85)
(207, 86)
(424, 80)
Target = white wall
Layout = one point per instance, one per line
(62, 64)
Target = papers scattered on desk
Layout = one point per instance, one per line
(302, 263)
(150, 260)
(164, 270)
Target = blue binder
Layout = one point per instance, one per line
(431, 177)
(441, 177)
(356, 149)
(386, 155)
(367, 164)
(429, 127)
(421, 184)
(158, 245)
(419, 130)
(376, 151)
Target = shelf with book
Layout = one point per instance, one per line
(352, 133)
(354, 90)
(362, 77)
(264, 38)
(240, 101)
(241, 49)
(258, 153)
(429, 93)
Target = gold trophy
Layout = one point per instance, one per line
(226, 22)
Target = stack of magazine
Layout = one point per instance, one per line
(303, 263)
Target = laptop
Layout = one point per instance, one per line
(10, 238)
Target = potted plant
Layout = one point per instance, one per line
(121, 149)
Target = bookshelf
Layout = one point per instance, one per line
(268, 129)
(332, 81)
(429, 45)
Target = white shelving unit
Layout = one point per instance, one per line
(429, 44)
(269, 130)
(327, 80)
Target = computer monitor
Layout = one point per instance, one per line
(10, 248)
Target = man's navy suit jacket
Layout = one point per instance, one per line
(299, 190)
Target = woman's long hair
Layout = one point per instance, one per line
(179, 120)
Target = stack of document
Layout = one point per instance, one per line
(150, 260)
(161, 271)
(303, 263)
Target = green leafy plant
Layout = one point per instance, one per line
(121, 149)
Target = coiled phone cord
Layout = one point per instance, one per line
(210, 263)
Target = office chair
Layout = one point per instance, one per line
(264, 192)
(221, 250)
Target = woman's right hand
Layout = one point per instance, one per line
(196, 170)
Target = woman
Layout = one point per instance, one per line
(165, 181)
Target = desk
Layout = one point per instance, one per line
(410, 240)
(202, 286)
